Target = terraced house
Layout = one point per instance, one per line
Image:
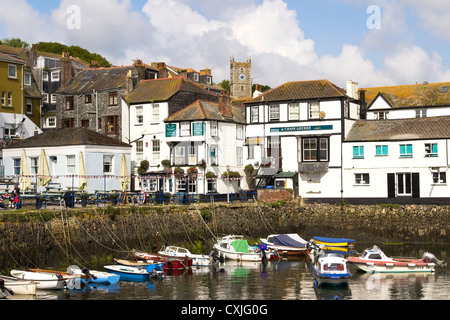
(93, 98)
(207, 143)
(401, 152)
(150, 103)
(20, 100)
(294, 135)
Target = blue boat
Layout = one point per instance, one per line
(95, 276)
(334, 242)
(331, 269)
(128, 273)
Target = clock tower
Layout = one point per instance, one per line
(240, 79)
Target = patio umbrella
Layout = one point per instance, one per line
(44, 177)
(82, 176)
(124, 179)
(25, 178)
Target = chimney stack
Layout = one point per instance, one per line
(129, 82)
(225, 106)
(66, 69)
(352, 89)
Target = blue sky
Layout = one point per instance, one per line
(288, 40)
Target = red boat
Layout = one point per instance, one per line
(171, 263)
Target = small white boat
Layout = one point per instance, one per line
(330, 269)
(235, 247)
(95, 276)
(199, 260)
(138, 274)
(373, 260)
(14, 286)
(46, 281)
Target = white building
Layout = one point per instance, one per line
(150, 103)
(294, 136)
(102, 158)
(404, 156)
(207, 137)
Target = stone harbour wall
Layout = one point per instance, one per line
(81, 236)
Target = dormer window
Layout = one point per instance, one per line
(196, 77)
(55, 76)
(421, 113)
(381, 115)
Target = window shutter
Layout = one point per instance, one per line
(415, 185)
(391, 185)
(434, 148)
(409, 149)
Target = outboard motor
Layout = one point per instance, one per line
(263, 248)
(155, 274)
(215, 257)
(88, 273)
(429, 257)
(3, 288)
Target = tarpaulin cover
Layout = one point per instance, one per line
(334, 240)
(240, 246)
(289, 240)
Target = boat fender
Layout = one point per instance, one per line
(3, 288)
(169, 264)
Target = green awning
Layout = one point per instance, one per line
(285, 175)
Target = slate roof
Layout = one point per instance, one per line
(67, 137)
(416, 95)
(10, 59)
(301, 90)
(162, 89)
(91, 79)
(400, 129)
(206, 110)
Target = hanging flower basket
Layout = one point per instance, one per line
(192, 170)
(179, 170)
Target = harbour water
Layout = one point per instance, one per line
(285, 280)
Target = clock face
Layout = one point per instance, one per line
(242, 77)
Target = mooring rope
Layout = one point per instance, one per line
(95, 240)
(201, 218)
(109, 231)
(17, 248)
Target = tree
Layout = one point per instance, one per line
(225, 84)
(75, 51)
(262, 88)
(15, 42)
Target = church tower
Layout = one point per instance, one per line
(240, 79)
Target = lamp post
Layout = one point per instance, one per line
(228, 184)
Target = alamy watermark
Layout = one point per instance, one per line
(73, 21)
(374, 20)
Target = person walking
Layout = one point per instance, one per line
(15, 196)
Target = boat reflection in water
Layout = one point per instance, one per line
(393, 286)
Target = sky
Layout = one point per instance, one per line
(372, 42)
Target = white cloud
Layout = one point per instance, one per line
(25, 23)
(206, 33)
(272, 28)
(107, 27)
(410, 64)
(351, 65)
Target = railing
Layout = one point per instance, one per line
(102, 199)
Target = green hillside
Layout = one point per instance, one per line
(74, 51)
